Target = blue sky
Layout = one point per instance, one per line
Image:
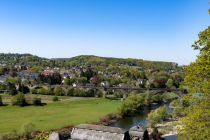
(162, 30)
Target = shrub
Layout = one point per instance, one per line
(167, 97)
(69, 81)
(11, 89)
(42, 136)
(24, 89)
(70, 92)
(79, 92)
(19, 100)
(37, 101)
(1, 102)
(2, 88)
(44, 91)
(99, 93)
(148, 98)
(118, 95)
(158, 115)
(157, 98)
(131, 104)
(90, 93)
(28, 129)
(169, 83)
(34, 91)
(58, 91)
(55, 99)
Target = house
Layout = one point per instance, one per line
(100, 132)
(34, 75)
(48, 72)
(90, 85)
(74, 85)
(65, 75)
(105, 84)
(96, 132)
(3, 78)
(24, 74)
(100, 72)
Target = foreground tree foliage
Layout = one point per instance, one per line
(196, 123)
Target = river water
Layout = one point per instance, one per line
(139, 118)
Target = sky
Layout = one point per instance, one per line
(161, 30)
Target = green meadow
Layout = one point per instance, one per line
(56, 114)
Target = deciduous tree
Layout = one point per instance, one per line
(196, 123)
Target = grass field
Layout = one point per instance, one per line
(45, 98)
(56, 115)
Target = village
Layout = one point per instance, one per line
(90, 76)
(21, 85)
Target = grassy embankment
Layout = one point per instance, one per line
(56, 114)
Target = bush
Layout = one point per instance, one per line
(42, 136)
(1, 102)
(148, 98)
(2, 88)
(24, 89)
(90, 93)
(99, 93)
(158, 115)
(37, 101)
(169, 96)
(131, 104)
(19, 100)
(70, 92)
(118, 95)
(58, 91)
(79, 92)
(169, 83)
(157, 98)
(34, 91)
(55, 99)
(44, 91)
(11, 89)
(28, 129)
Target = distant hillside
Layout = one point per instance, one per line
(85, 60)
(82, 61)
(15, 58)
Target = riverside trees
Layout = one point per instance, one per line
(136, 101)
(158, 115)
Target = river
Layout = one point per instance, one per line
(139, 118)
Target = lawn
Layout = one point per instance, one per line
(56, 115)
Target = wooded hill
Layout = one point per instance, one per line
(83, 61)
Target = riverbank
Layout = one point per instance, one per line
(168, 127)
(114, 118)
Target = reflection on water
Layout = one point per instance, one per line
(139, 118)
